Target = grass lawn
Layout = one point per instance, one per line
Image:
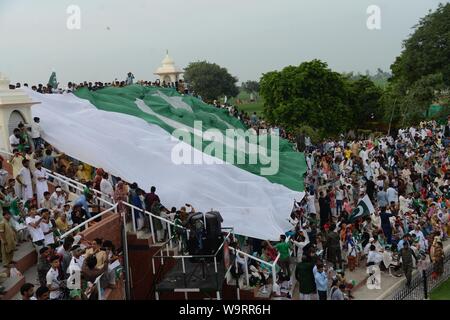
(252, 107)
(442, 292)
(246, 105)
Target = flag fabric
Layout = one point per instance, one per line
(169, 110)
(364, 209)
(52, 81)
(128, 132)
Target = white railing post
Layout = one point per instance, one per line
(246, 271)
(153, 265)
(133, 220)
(169, 234)
(274, 272)
(182, 263)
(99, 289)
(151, 228)
(236, 265)
(274, 276)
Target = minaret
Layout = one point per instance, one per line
(15, 107)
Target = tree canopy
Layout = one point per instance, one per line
(421, 74)
(364, 101)
(310, 94)
(210, 80)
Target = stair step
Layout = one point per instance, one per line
(25, 256)
(12, 287)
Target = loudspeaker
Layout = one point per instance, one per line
(211, 223)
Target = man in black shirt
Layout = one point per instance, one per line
(447, 133)
(370, 188)
(325, 210)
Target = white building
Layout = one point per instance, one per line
(168, 72)
(15, 107)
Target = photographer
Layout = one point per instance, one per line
(130, 79)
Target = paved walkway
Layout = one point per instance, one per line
(389, 284)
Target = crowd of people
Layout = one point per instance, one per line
(71, 87)
(405, 176)
(254, 122)
(29, 212)
(407, 180)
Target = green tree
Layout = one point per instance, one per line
(310, 94)
(210, 80)
(250, 86)
(421, 74)
(364, 101)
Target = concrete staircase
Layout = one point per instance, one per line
(26, 259)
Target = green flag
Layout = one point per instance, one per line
(364, 209)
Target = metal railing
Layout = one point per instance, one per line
(160, 255)
(168, 223)
(167, 245)
(272, 266)
(86, 223)
(246, 257)
(423, 283)
(100, 196)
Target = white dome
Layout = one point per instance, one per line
(168, 67)
(168, 61)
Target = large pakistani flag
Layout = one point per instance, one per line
(154, 136)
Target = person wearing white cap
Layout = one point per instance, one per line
(58, 199)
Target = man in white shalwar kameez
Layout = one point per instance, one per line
(24, 180)
(41, 181)
(106, 187)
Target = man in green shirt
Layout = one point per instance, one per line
(283, 249)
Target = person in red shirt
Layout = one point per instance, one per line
(98, 178)
(151, 198)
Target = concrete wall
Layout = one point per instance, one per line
(107, 229)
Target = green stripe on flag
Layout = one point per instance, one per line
(169, 104)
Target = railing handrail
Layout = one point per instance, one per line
(61, 180)
(87, 221)
(80, 186)
(151, 214)
(70, 182)
(253, 257)
(78, 183)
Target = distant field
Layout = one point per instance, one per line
(252, 107)
(442, 292)
(248, 106)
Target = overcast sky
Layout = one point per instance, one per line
(249, 37)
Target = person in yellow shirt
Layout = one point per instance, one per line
(347, 153)
(99, 252)
(79, 175)
(16, 162)
(87, 172)
(61, 223)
